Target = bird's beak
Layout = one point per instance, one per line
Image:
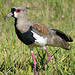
(9, 15)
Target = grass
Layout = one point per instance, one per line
(15, 57)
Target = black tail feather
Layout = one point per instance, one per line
(63, 35)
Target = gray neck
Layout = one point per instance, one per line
(21, 24)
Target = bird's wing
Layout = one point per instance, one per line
(40, 29)
(44, 30)
(63, 35)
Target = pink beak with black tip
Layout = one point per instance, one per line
(9, 15)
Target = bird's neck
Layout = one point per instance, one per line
(15, 22)
(21, 24)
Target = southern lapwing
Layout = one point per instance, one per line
(34, 34)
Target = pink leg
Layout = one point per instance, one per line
(49, 57)
(34, 61)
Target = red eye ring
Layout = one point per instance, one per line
(18, 10)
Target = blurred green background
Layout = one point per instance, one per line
(15, 57)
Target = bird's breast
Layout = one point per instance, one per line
(26, 37)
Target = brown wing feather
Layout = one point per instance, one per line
(63, 35)
(41, 28)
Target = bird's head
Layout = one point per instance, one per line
(17, 11)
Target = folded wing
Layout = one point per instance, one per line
(63, 35)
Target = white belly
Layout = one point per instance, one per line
(40, 40)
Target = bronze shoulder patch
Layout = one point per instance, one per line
(41, 28)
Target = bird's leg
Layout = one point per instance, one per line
(34, 61)
(49, 57)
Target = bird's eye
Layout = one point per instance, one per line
(18, 10)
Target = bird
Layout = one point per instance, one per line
(34, 34)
